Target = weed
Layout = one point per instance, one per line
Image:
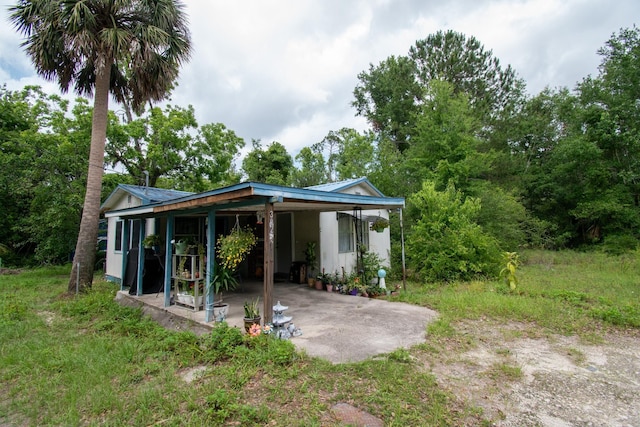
(401, 355)
(505, 371)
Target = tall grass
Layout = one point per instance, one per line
(565, 292)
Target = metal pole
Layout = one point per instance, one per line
(404, 267)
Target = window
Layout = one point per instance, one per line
(345, 233)
(118, 235)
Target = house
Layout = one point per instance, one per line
(336, 217)
(127, 196)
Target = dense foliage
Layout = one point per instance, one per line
(485, 167)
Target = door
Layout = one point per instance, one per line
(283, 243)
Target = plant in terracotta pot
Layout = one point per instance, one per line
(251, 313)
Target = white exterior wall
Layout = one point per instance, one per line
(113, 268)
(330, 258)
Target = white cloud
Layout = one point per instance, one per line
(285, 70)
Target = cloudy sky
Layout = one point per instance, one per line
(285, 70)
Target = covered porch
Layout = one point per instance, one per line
(242, 200)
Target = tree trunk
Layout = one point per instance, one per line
(85, 253)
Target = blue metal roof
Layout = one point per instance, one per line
(253, 193)
(153, 194)
(343, 185)
(147, 195)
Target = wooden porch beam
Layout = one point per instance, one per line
(269, 237)
(209, 200)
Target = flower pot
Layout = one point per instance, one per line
(329, 288)
(188, 299)
(248, 322)
(311, 282)
(353, 292)
(220, 311)
(319, 285)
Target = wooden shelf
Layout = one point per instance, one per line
(187, 269)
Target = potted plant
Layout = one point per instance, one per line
(320, 280)
(310, 258)
(151, 241)
(231, 251)
(224, 280)
(353, 285)
(331, 281)
(379, 224)
(251, 313)
(234, 247)
(186, 286)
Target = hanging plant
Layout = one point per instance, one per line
(379, 224)
(234, 247)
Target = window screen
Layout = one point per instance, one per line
(345, 233)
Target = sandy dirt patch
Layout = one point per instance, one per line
(520, 378)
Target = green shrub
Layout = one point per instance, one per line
(446, 243)
(619, 244)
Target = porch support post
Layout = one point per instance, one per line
(404, 267)
(168, 260)
(269, 234)
(124, 242)
(210, 269)
(140, 256)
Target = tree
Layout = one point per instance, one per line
(272, 166)
(355, 153)
(43, 162)
(470, 69)
(389, 95)
(130, 49)
(444, 143)
(312, 169)
(166, 144)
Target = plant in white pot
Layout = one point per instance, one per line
(223, 280)
(231, 250)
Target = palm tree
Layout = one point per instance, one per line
(132, 49)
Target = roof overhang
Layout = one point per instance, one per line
(250, 196)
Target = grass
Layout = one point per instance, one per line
(562, 292)
(67, 360)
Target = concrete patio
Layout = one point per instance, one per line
(338, 328)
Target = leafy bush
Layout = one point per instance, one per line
(619, 244)
(446, 243)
